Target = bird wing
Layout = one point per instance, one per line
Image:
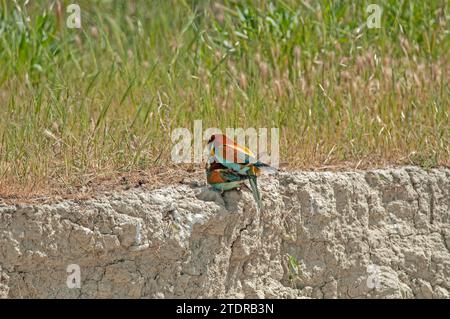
(218, 176)
(232, 176)
(234, 153)
(214, 177)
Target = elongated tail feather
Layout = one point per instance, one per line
(255, 191)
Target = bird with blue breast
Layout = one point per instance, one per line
(230, 165)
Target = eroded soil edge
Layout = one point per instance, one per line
(374, 234)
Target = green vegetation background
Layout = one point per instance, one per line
(103, 99)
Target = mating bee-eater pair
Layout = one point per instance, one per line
(230, 165)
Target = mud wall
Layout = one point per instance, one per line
(373, 234)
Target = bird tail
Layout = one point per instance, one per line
(266, 168)
(255, 190)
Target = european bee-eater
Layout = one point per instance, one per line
(234, 156)
(238, 160)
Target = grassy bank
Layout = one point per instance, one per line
(81, 104)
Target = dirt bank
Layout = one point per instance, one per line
(374, 234)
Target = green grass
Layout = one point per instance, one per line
(103, 100)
